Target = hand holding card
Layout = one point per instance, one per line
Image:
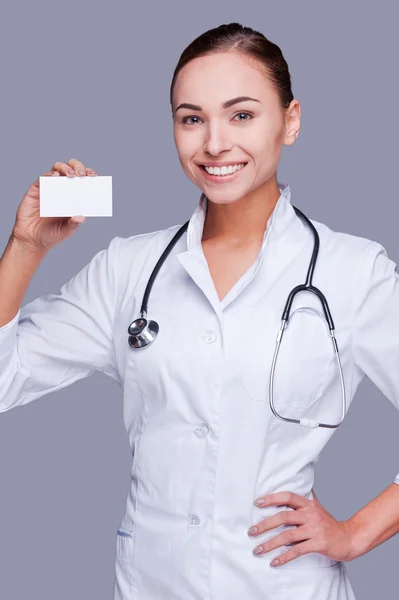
(58, 201)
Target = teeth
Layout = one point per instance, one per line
(224, 170)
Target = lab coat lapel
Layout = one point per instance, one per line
(194, 261)
(285, 236)
(282, 249)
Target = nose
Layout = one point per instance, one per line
(217, 140)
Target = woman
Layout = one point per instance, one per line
(205, 443)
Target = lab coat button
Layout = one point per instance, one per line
(202, 430)
(194, 520)
(209, 337)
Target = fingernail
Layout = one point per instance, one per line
(71, 173)
(258, 550)
(274, 562)
(259, 502)
(81, 172)
(252, 530)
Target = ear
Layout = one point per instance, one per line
(292, 122)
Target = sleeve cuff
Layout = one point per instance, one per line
(8, 333)
(396, 480)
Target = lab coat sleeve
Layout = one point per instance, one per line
(376, 322)
(60, 338)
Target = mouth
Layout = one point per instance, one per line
(221, 178)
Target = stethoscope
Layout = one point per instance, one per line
(143, 332)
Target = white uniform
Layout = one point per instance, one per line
(205, 443)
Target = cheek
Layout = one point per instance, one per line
(266, 149)
(187, 164)
(187, 146)
(267, 137)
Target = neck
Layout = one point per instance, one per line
(241, 223)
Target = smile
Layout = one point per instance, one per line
(222, 174)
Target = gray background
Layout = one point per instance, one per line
(91, 81)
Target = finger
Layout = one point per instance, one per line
(284, 517)
(63, 169)
(293, 553)
(291, 536)
(77, 166)
(48, 174)
(75, 221)
(90, 171)
(282, 499)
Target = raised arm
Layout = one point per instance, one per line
(57, 338)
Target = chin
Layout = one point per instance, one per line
(224, 197)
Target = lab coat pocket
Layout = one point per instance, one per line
(123, 563)
(303, 359)
(124, 543)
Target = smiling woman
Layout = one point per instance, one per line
(233, 109)
(204, 442)
(195, 517)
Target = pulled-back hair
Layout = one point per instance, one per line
(234, 37)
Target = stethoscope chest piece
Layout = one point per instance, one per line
(142, 332)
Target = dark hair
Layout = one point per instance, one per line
(233, 37)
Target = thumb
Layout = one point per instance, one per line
(76, 221)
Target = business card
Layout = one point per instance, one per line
(62, 196)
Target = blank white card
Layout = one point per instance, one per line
(62, 196)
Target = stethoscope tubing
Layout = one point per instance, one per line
(142, 332)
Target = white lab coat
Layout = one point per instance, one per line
(205, 443)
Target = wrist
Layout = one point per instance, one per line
(25, 247)
(357, 538)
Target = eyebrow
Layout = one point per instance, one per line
(226, 104)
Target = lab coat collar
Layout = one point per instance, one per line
(281, 217)
(283, 220)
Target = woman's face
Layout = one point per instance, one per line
(250, 132)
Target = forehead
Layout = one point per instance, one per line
(211, 79)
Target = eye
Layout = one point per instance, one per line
(244, 113)
(185, 119)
